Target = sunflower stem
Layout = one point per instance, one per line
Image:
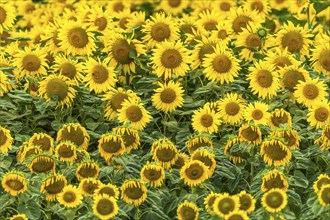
(137, 213)
(252, 167)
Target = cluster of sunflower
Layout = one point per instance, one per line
(232, 74)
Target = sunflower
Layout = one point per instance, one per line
(240, 17)
(187, 211)
(66, 151)
(234, 156)
(87, 169)
(105, 207)
(246, 202)
(294, 38)
(278, 4)
(28, 151)
(133, 192)
(88, 186)
(30, 62)
(197, 141)
(275, 153)
(207, 158)
(133, 112)
(19, 217)
(224, 6)
(51, 36)
(321, 58)
(14, 183)
(220, 65)
(264, 80)
(117, 6)
(279, 117)
(275, 200)
(153, 174)
(76, 39)
(291, 75)
(203, 47)
(205, 120)
(98, 18)
(257, 112)
(280, 58)
(111, 144)
(137, 19)
(225, 204)
(4, 83)
(160, 28)
(164, 152)
(100, 75)
(70, 197)
(7, 16)
(6, 140)
(69, 67)
(324, 140)
(173, 7)
(194, 173)
(52, 186)
(290, 137)
(261, 6)
(168, 97)
(209, 201)
(130, 137)
(108, 189)
(32, 86)
(250, 134)
(58, 86)
(322, 180)
(118, 49)
(75, 133)
(43, 140)
(310, 92)
(182, 160)
(274, 179)
(208, 20)
(298, 6)
(231, 108)
(223, 33)
(170, 59)
(324, 195)
(42, 164)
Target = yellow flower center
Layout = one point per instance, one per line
(31, 62)
(160, 31)
(206, 120)
(174, 3)
(14, 184)
(291, 78)
(3, 137)
(310, 91)
(232, 108)
(117, 100)
(120, 51)
(293, 41)
(78, 37)
(134, 192)
(321, 114)
(264, 78)
(3, 15)
(134, 113)
(240, 22)
(69, 197)
(101, 23)
(100, 74)
(257, 114)
(275, 152)
(171, 58)
(221, 64)
(194, 171)
(105, 207)
(57, 87)
(168, 95)
(324, 59)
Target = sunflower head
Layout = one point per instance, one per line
(153, 174)
(52, 186)
(104, 206)
(130, 137)
(209, 201)
(164, 152)
(274, 179)
(235, 156)
(319, 114)
(42, 164)
(198, 141)
(275, 152)
(194, 173)
(246, 201)
(274, 200)
(231, 108)
(322, 179)
(187, 210)
(14, 183)
(324, 195)
(133, 192)
(43, 140)
(66, 151)
(6, 140)
(205, 157)
(205, 120)
(250, 134)
(224, 204)
(109, 189)
(75, 133)
(182, 160)
(70, 197)
(87, 169)
(111, 144)
(88, 186)
(280, 117)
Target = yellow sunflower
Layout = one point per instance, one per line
(203, 46)
(75, 133)
(261, 6)
(223, 33)
(66, 152)
(209, 201)
(291, 75)
(250, 134)
(319, 114)
(246, 202)
(274, 179)
(133, 192)
(181, 161)
(240, 17)
(194, 173)
(43, 140)
(321, 57)
(279, 117)
(220, 65)
(231, 108)
(14, 183)
(278, 4)
(88, 186)
(264, 80)
(257, 112)
(101, 76)
(51, 36)
(27, 152)
(208, 20)
(137, 19)
(87, 169)
(105, 207)
(322, 180)
(153, 174)
(297, 6)
(324, 195)
(207, 158)
(224, 6)
(280, 58)
(76, 39)
(187, 211)
(109, 189)
(130, 136)
(164, 152)
(324, 140)
(197, 141)
(58, 86)
(70, 197)
(290, 137)
(117, 6)
(234, 156)
(173, 7)
(19, 217)
(275, 200)
(237, 215)
(99, 18)
(294, 38)
(42, 164)
(205, 120)
(4, 83)
(187, 24)
(69, 67)
(111, 144)
(31, 62)
(133, 112)
(168, 97)
(275, 153)
(6, 140)
(52, 186)
(7, 16)
(170, 59)
(118, 49)
(310, 92)
(225, 204)
(160, 28)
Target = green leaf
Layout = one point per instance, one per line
(298, 179)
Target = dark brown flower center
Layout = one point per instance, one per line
(326, 195)
(274, 200)
(194, 171)
(160, 31)
(128, 138)
(14, 184)
(282, 61)
(134, 192)
(206, 120)
(74, 135)
(87, 170)
(152, 174)
(107, 190)
(323, 181)
(89, 187)
(257, 114)
(3, 138)
(3, 15)
(236, 217)
(57, 87)
(321, 114)
(253, 42)
(105, 207)
(205, 49)
(275, 152)
(187, 28)
(293, 41)
(324, 59)
(291, 78)
(168, 95)
(4, 37)
(232, 108)
(264, 78)
(226, 205)
(187, 213)
(29, 8)
(240, 22)
(69, 197)
(290, 139)
(118, 6)
(245, 202)
(257, 5)
(55, 187)
(204, 159)
(274, 182)
(100, 74)
(42, 164)
(225, 6)
(222, 34)
(43, 142)
(171, 58)
(123, 22)
(277, 120)
(78, 37)
(210, 25)
(221, 64)
(68, 70)
(65, 151)
(250, 134)
(31, 62)
(111, 146)
(101, 23)
(120, 51)
(134, 113)
(165, 154)
(310, 91)
(174, 3)
(180, 162)
(117, 100)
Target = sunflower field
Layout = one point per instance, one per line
(165, 109)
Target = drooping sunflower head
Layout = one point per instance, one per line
(153, 174)
(290, 137)
(88, 186)
(291, 75)
(19, 217)
(246, 201)
(75, 133)
(104, 206)
(43, 140)
(7, 17)
(111, 144)
(224, 204)
(194, 173)
(324, 195)
(231, 108)
(274, 200)
(130, 137)
(42, 164)
(198, 141)
(187, 210)
(14, 183)
(133, 192)
(66, 151)
(53, 185)
(322, 180)
(205, 120)
(182, 160)
(205, 157)
(6, 140)
(87, 169)
(275, 152)
(110, 189)
(235, 156)
(280, 117)
(165, 153)
(250, 134)
(209, 201)
(70, 197)
(274, 179)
